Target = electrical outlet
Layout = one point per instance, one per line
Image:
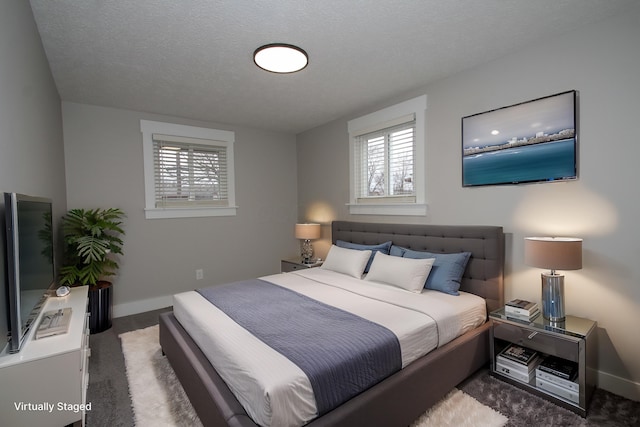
(199, 274)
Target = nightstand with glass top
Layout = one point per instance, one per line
(573, 340)
(293, 264)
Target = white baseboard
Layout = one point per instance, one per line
(140, 306)
(620, 386)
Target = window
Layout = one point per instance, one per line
(188, 171)
(385, 164)
(387, 161)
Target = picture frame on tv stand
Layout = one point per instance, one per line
(533, 141)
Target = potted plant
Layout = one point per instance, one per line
(92, 240)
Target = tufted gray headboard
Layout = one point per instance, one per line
(484, 273)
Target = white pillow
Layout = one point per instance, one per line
(406, 273)
(347, 261)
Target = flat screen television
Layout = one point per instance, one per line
(533, 141)
(30, 262)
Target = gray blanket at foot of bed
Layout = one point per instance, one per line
(342, 354)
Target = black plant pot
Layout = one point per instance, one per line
(100, 306)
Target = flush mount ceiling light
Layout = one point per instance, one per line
(280, 58)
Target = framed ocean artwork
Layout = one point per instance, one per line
(534, 141)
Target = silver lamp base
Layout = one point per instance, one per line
(307, 252)
(553, 297)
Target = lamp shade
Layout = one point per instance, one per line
(554, 253)
(307, 231)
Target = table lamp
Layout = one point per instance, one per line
(307, 232)
(554, 253)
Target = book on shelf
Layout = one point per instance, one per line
(565, 393)
(562, 368)
(515, 373)
(556, 380)
(520, 307)
(517, 366)
(519, 354)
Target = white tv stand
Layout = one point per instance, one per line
(45, 383)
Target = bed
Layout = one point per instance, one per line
(401, 397)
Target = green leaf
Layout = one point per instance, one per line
(92, 244)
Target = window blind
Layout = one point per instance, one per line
(189, 172)
(385, 160)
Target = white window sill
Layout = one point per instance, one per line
(156, 213)
(414, 209)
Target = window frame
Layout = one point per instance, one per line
(378, 121)
(207, 136)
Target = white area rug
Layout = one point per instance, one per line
(460, 410)
(157, 397)
(159, 400)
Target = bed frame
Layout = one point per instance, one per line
(405, 395)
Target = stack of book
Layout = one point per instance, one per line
(558, 376)
(520, 309)
(518, 362)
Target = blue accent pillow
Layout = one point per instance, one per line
(382, 247)
(446, 272)
(397, 251)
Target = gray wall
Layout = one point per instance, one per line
(601, 61)
(103, 151)
(31, 144)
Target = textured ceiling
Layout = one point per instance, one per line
(193, 58)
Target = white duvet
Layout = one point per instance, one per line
(273, 390)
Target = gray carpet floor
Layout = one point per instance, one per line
(526, 410)
(108, 388)
(111, 405)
